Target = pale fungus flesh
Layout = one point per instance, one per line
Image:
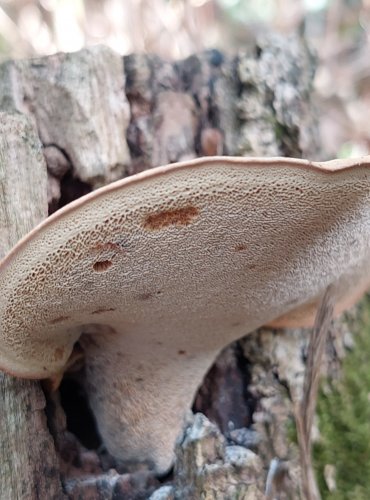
(155, 274)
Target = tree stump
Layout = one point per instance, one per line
(70, 123)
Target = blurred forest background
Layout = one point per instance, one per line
(338, 31)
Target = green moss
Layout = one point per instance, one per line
(344, 419)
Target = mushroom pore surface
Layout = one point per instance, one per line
(156, 273)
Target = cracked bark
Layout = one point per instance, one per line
(100, 117)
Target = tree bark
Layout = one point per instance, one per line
(100, 117)
(29, 467)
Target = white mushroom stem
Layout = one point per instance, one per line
(162, 270)
(140, 395)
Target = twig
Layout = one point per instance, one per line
(305, 410)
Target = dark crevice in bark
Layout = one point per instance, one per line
(72, 188)
(80, 419)
(223, 396)
(289, 140)
(244, 368)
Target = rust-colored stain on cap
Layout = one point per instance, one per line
(176, 217)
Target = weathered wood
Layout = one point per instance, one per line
(257, 103)
(79, 105)
(29, 467)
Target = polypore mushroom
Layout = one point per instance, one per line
(156, 273)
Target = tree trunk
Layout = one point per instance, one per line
(93, 117)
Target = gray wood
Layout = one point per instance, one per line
(79, 105)
(29, 467)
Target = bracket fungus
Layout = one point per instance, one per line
(156, 273)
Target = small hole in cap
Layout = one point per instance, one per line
(102, 265)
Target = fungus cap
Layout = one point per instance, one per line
(155, 274)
